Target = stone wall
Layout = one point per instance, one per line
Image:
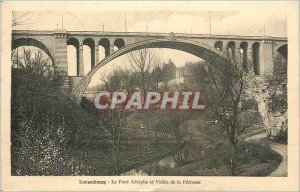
(273, 122)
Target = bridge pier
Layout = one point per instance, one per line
(112, 48)
(80, 70)
(60, 51)
(96, 56)
(266, 56)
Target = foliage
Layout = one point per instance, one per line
(46, 128)
(225, 86)
(282, 136)
(171, 123)
(46, 152)
(276, 90)
(118, 80)
(34, 62)
(169, 70)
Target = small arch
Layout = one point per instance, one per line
(219, 45)
(91, 44)
(72, 41)
(104, 42)
(244, 54)
(119, 43)
(231, 49)
(255, 55)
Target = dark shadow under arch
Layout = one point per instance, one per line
(256, 57)
(219, 45)
(119, 43)
(231, 47)
(244, 54)
(283, 50)
(105, 43)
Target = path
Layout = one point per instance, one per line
(281, 170)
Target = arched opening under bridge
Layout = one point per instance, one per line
(203, 51)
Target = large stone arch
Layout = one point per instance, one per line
(32, 42)
(206, 52)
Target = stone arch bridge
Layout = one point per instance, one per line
(261, 50)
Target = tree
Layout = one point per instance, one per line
(224, 87)
(118, 80)
(20, 19)
(157, 76)
(141, 62)
(46, 129)
(46, 126)
(274, 96)
(34, 62)
(169, 70)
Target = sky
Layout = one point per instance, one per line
(198, 22)
(247, 22)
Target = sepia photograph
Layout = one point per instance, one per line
(191, 93)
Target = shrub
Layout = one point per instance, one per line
(46, 128)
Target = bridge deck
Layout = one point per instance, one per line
(148, 34)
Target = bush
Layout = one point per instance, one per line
(282, 136)
(46, 128)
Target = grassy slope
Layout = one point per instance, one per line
(133, 154)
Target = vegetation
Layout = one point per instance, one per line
(276, 98)
(51, 135)
(224, 86)
(46, 129)
(46, 126)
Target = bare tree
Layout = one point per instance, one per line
(118, 80)
(35, 62)
(141, 62)
(21, 19)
